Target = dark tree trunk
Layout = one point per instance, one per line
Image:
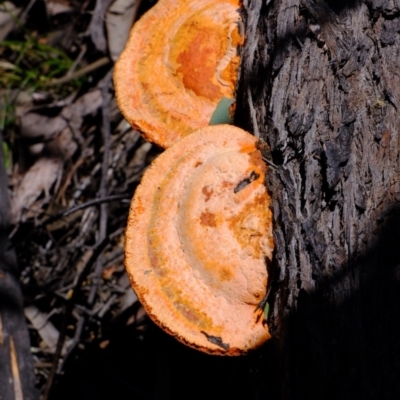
(16, 368)
(320, 84)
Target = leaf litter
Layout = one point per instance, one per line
(73, 165)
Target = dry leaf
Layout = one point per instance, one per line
(35, 125)
(119, 20)
(96, 27)
(8, 12)
(65, 143)
(54, 7)
(39, 178)
(84, 105)
(108, 272)
(47, 331)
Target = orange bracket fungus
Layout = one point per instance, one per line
(198, 237)
(179, 62)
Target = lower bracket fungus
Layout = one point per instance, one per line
(198, 236)
(180, 60)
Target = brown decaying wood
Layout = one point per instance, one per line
(198, 237)
(325, 86)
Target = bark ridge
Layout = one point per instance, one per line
(320, 85)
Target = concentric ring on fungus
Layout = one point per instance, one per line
(179, 62)
(199, 232)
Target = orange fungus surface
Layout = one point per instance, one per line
(198, 237)
(181, 59)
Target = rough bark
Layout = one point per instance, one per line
(16, 368)
(320, 84)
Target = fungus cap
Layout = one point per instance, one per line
(179, 62)
(198, 236)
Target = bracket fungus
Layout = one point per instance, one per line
(180, 60)
(198, 236)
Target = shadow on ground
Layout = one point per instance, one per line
(348, 351)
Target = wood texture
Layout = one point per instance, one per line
(320, 84)
(16, 367)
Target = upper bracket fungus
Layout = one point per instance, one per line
(180, 60)
(198, 236)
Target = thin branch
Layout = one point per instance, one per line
(83, 71)
(106, 133)
(87, 204)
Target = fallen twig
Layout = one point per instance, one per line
(106, 133)
(87, 204)
(80, 72)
